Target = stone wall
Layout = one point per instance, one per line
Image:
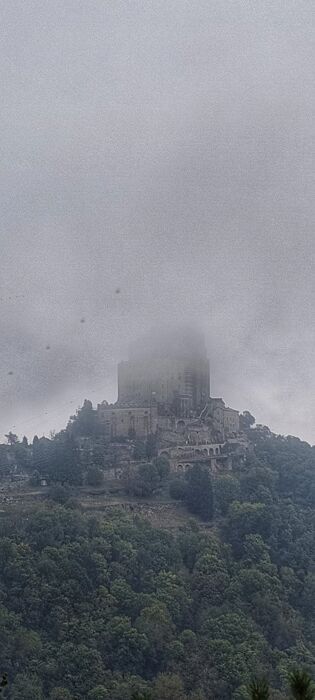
(127, 422)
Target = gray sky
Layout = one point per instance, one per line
(165, 148)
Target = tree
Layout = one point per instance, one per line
(98, 456)
(63, 461)
(226, 490)
(59, 493)
(163, 466)
(150, 446)
(246, 420)
(84, 423)
(257, 551)
(210, 579)
(22, 457)
(178, 489)
(94, 476)
(60, 694)
(124, 645)
(246, 519)
(258, 689)
(99, 693)
(3, 683)
(26, 687)
(5, 464)
(145, 481)
(35, 478)
(168, 687)
(301, 685)
(199, 492)
(139, 451)
(155, 623)
(12, 438)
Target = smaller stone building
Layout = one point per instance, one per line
(231, 421)
(183, 457)
(224, 421)
(129, 422)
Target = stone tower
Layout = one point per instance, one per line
(169, 368)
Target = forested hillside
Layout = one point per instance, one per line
(107, 607)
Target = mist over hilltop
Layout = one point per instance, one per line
(157, 165)
(173, 340)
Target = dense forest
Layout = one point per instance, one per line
(106, 607)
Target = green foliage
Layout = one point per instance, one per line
(199, 496)
(150, 446)
(59, 494)
(226, 490)
(26, 687)
(99, 693)
(144, 482)
(58, 460)
(35, 478)
(3, 683)
(60, 694)
(140, 451)
(259, 689)
(244, 519)
(168, 687)
(84, 423)
(301, 685)
(178, 489)
(12, 438)
(107, 607)
(4, 461)
(247, 420)
(94, 476)
(163, 467)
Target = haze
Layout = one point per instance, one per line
(156, 166)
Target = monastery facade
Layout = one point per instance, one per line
(164, 387)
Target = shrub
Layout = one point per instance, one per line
(178, 489)
(94, 476)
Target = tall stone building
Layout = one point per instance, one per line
(168, 369)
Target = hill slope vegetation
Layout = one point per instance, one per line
(103, 608)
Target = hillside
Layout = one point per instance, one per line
(102, 605)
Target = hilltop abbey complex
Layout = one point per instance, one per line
(164, 387)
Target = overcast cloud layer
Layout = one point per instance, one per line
(165, 149)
